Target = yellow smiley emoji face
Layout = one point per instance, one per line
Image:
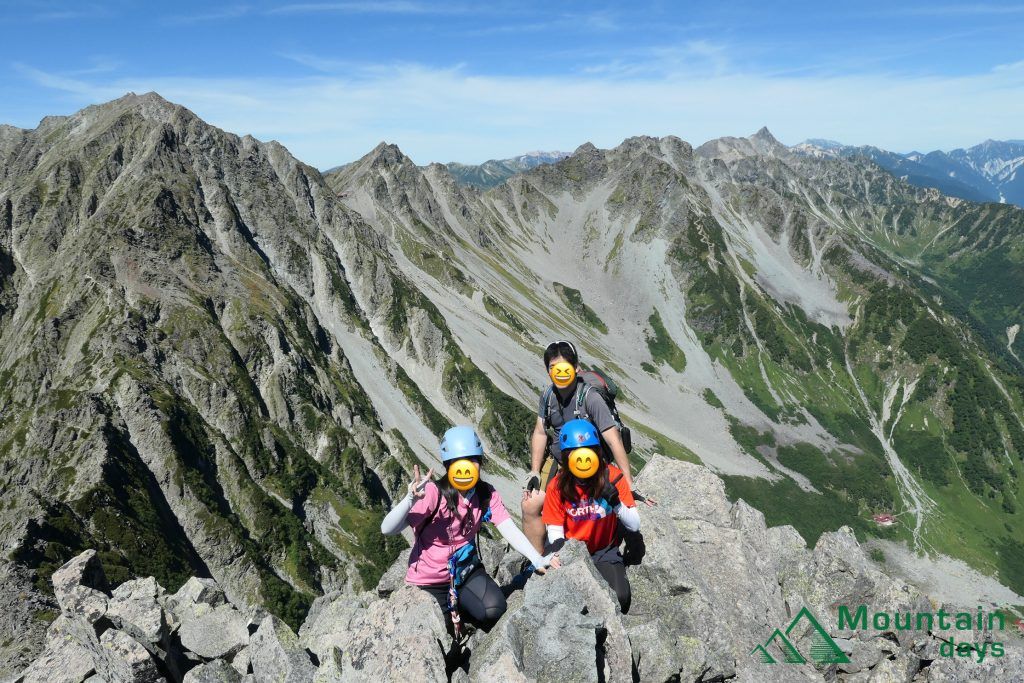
(463, 474)
(583, 463)
(562, 374)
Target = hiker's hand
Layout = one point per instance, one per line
(555, 563)
(641, 498)
(532, 486)
(417, 485)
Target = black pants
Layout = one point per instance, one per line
(615, 574)
(480, 599)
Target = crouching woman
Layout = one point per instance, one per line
(587, 501)
(446, 516)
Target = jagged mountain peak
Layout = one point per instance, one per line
(585, 149)
(766, 143)
(761, 143)
(386, 152)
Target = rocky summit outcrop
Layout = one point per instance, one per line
(710, 583)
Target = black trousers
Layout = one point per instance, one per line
(480, 599)
(615, 574)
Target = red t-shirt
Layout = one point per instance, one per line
(591, 521)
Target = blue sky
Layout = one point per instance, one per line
(472, 81)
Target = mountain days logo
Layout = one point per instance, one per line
(823, 649)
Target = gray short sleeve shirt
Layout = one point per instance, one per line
(561, 410)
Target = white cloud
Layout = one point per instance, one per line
(452, 114)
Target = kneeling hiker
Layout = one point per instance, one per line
(587, 500)
(446, 517)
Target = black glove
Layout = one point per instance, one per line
(533, 483)
(611, 494)
(639, 497)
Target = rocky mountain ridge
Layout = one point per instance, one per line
(216, 361)
(714, 583)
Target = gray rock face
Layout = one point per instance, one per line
(277, 654)
(222, 632)
(567, 627)
(401, 638)
(330, 670)
(63, 660)
(196, 595)
(331, 622)
(714, 583)
(394, 577)
(80, 587)
(135, 608)
(127, 660)
(217, 671)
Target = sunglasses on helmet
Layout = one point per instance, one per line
(555, 344)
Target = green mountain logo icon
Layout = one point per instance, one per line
(823, 649)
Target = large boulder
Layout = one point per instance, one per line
(566, 627)
(402, 638)
(65, 659)
(707, 590)
(332, 621)
(80, 587)
(277, 654)
(135, 608)
(74, 652)
(217, 671)
(195, 597)
(221, 632)
(394, 577)
(127, 660)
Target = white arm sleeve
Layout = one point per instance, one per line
(394, 522)
(555, 532)
(521, 544)
(629, 517)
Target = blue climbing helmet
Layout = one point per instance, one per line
(460, 442)
(576, 434)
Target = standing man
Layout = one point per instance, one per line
(566, 399)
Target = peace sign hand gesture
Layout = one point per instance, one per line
(417, 485)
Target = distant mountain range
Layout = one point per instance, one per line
(496, 171)
(989, 172)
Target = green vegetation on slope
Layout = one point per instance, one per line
(573, 299)
(661, 346)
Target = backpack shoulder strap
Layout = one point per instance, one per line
(485, 492)
(581, 401)
(545, 405)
